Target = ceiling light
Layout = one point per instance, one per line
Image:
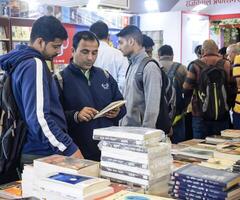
(93, 5)
(199, 7)
(151, 5)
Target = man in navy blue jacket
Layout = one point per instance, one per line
(87, 90)
(36, 93)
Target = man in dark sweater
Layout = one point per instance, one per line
(87, 90)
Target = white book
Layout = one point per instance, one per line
(151, 171)
(127, 132)
(56, 163)
(126, 178)
(46, 194)
(73, 184)
(109, 107)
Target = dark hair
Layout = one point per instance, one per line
(223, 51)
(198, 50)
(132, 31)
(147, 41)
(100, 29)
(165, 50)
(49, 28)
(84, 35)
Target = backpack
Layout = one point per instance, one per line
(168, 96)
(175, 81)
(12, 132)
(212, 90)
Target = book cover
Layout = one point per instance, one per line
(55, 163)
(232, 133)
(208, 175)
(75, 184)
(127, 195)
(196, 153)
(11, 190)
(125, 132)
(109, 107)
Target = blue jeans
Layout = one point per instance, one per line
(202, 128)
(179, 132)
(236, 120)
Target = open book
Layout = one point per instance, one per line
(111, 106)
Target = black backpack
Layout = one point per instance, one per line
(168, 96)
(12, 132)
(212, 91)
(174, 76)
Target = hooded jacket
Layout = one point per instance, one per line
(97, 92)
(37, 98)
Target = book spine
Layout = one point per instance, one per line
(133, 148)
(203, 188)
(119, 140)
(124, 162)
(200, 192)
(127, 173)
(196, 195)
(192, 178)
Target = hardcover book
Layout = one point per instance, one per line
(73, 184)
(134, 133)
(111, 106)
(126, 195)
(208, 175)
(56, 163)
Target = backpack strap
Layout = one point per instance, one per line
(59, 77)
(173, 69)
(139, 73)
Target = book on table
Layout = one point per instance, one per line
(56, 163)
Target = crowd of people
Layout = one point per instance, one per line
(59, 113)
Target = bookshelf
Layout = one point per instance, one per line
(5, 44)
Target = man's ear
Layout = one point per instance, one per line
(39, 44)
(131, 41)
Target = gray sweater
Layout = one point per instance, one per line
(142, 106)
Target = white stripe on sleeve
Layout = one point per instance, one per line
(39, 108)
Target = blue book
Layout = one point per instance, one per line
(69, 178)
(208, 175)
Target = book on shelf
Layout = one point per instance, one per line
(109, 107)
(2, 33)
(56, 163)
(229, 156)
(208, 175)
(127, 132)
(216, 139)
(73, 184)
(218, 163)
(232, 133)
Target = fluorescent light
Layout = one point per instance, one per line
(151, 5)
(93, 5)
(199, 7)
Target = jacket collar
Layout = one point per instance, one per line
(138, 56)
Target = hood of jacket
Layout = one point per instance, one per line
(10, 61)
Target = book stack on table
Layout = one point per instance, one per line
(199, 182)
(135, 155)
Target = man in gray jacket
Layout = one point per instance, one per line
(142, 105)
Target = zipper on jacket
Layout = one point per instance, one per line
(215, 100)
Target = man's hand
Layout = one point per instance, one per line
(112, 113)
(86, 114)
(77, 154)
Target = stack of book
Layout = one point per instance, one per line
(199, 182)
(134, 155)
(65, 186)
(37, 178)
(236, 167)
